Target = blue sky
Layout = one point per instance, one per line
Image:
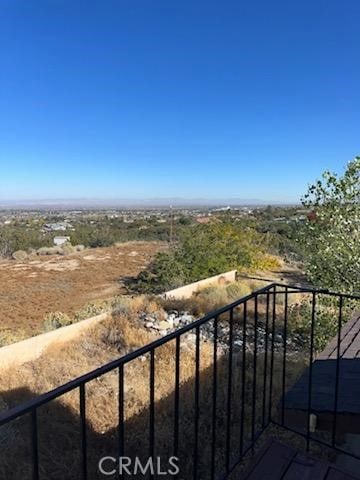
(139, 98)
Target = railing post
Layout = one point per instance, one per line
(253, 410)
(337, 373)
(312, 331)
(83, 430)
(176, 397)
(196, 406)
(152, 409)
(229, 392)
(265, 357)
(35, 446)
(243, 381)
(272, 354)
(213, 440)
(121, 426)
(284, 357)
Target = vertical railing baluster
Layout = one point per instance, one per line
(196, 406)
(265, 357)
(83, 430)
(35, 445)
(337, 373)
(253, 410)
(121, 426)
(312, 332)
(284, 358)
(243, 381)
(152, 409)
(213, 440)
(229, 392)
(176, 396)
(271, 379)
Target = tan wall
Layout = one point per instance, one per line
(31, 348)
(187, 290)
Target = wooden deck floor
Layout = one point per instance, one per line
(324, 382)
(349, 342)
(277, 461)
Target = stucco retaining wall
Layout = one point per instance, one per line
(31, 348)
(187, 290)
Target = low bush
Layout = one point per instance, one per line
(8, 337)
(56, 320)
(91, 310)
(47, 251)
(20, 256)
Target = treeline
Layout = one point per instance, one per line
(14, 238)
(102, 233)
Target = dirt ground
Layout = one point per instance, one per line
(46, 284)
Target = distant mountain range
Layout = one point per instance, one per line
(136, 203)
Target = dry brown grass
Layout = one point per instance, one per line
(32, 289)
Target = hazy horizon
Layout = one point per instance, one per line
(140, 202)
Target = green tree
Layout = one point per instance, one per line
(331, 235)
(203, 251)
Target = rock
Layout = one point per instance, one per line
(186, 318)
(170, 321)
(164, 325)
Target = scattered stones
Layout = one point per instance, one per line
(165, 323)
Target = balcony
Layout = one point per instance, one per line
(267, 403)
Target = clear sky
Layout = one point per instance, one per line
(148, 98)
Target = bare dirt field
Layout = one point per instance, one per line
(30, 290)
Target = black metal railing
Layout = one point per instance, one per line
(218, 413)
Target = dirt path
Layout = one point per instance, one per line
(30, 290)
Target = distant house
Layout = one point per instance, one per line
(56, 227)
(59, 241)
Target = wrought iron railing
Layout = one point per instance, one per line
(216, 415)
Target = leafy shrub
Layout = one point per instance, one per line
(121, 305)
(56, 320)
(330, 237)
(68, 249)
(205, 251)
(326, 319)
(237, 290)
(7, 337)
(90, 310)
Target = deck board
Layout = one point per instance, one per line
(324, 377)
(277, 461)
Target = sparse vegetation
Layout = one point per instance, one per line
(56, 320)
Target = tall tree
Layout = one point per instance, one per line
(331, 235)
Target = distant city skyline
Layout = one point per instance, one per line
(141, 100)
(138, 203)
